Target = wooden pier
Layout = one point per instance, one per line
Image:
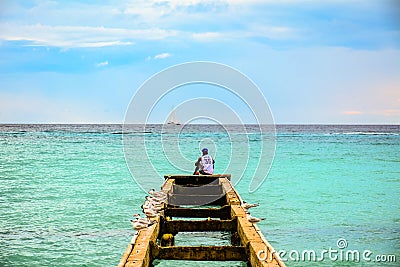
(186, 196)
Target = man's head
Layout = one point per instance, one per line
(205, 151)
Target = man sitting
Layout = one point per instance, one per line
(205, 164)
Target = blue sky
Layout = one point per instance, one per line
(315, 61)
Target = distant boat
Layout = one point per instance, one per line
(172, 120)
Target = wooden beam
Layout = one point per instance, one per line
(197, 179)
(176, 226)
(222, 213)
(253, 239)
(183, 176)
(140, 255)
(195, 200)
(232, 197)
(201, 253)
(197, 190)
(125, 256)
(268, 259)
(167, 185)
(237, 210)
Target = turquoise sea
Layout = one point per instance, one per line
(66, 193)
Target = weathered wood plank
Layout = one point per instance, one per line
(232, 197)
(197, 190)
(222, 213)
(260, 256)
(141, 251)
(246, 231)
(125, 256)
(272, 256)
(184, 176)
(202, 253)
(197, 179)
(252, 238)
(176, 226)
(195, 200)
(167, 185)
(237, 210)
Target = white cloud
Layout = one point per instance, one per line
(90, 37)
(270, 32)
(135, 6)
(159, 56)
(102, 64)
(162, 56)
(79, 36)
(206, 36)
(127, 24)
(104, 44)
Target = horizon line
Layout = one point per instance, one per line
(111, 123)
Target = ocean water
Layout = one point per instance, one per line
(66, 193)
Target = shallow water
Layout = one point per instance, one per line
(67, 194)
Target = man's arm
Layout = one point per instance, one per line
(197, 164)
